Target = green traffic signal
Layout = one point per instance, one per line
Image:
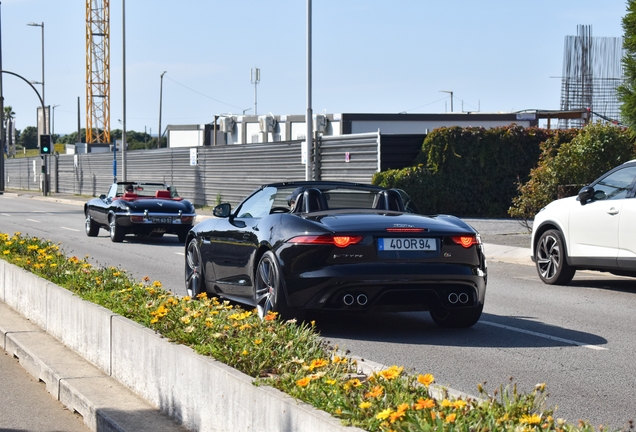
(45, 145)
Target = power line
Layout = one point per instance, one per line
(204, 95)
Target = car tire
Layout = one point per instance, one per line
(193, 269)
(182, 237)
(92, 229)
(116, 231)
(269, 293)
(551, 259)
(457, 318)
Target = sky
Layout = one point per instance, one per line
(368, 56)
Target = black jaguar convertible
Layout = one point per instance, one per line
(140, 208)
(335, 246)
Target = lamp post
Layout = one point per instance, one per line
(53, 123)
(451, 96)
(32, 24)
(160, 100)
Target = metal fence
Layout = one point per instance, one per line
(221, 173)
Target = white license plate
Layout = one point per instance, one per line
(161, 220)
(407, 244)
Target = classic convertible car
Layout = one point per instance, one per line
(335, 246)
(141, 208)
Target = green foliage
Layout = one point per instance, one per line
(28, 138)
(627, 91)
(469, 171)
(572, 158)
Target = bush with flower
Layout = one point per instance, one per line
(287, 355)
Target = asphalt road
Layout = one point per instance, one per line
(577, 339)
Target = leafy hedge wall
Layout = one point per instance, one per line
(572, 158)
(469, 172)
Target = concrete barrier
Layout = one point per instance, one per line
(199, 392)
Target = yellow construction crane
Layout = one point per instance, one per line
(97, 71)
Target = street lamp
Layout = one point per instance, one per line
(160, 98)
(53, 123)
(451, 96)
(32, 24)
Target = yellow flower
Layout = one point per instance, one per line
(156, 284)
(53, 265)
(530, 419)
(185, 320)
(446, 403)
(383, 415)
(391, 373)
(317, 363)
(426, 380)
(117, 274)
(331, 381)
(303, 382)
(451, 418)
(6, 252)
(258, 341)
(459, 404)
(364, 405)
(244, 353)
(202, 295)
(424, 404)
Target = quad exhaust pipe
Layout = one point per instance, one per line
(349, 299)
(454, 298)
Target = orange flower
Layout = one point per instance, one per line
(375, 392)
(303, 382)
(424, 404)
(451, 418)
(271, 316)
(426, 380)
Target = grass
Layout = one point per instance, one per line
(288, 355)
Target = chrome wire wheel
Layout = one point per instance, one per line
(193, 274)
(116, 232)
(551, 259)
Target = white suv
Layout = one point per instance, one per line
(595, 230)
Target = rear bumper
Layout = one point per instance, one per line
(407, 287)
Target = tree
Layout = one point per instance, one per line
(627, 91)
(29, 137)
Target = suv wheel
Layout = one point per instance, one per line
(551, 259)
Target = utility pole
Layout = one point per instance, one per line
(255, 78)
(451, 97)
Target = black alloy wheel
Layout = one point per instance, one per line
(193, 269)
(551, 259)
(92, 229)
(457, 318)
(269, 294)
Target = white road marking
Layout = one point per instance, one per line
(33, 220)
(5, 214)
(179, 253)
(70, 229)
(543, 335)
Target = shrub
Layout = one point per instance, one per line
(572, 158)
(469, 171)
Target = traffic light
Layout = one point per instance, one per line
(46, 147)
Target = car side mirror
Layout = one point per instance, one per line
(222, 210)
(586, 194)
(102, 197)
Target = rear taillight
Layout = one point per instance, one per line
(187, 219)
(137, 219)
(328, 239)
(466, 241)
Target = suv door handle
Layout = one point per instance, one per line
(612, 211)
